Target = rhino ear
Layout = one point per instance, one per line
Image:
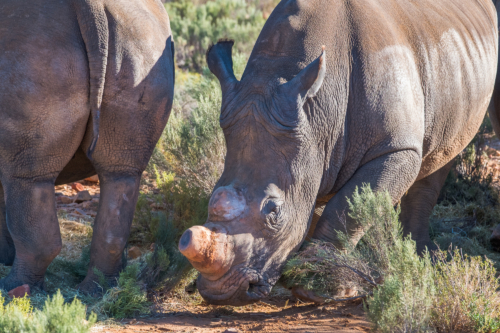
(220, 63)
(307, 83)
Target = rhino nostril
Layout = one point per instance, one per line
(185, 240)
(207, 250)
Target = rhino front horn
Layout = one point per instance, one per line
(206, 250)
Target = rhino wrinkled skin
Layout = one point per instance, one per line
(399, 90)
(86, 88)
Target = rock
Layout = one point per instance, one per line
(79, 212)
(20, 291)
(86, 204)
(231, 330)
(93, 179)
(77, 187)
(73, 226)
(65, 200)
(134, 252)
(307, 295)
(83, 196)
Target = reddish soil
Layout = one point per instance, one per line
(263, 318)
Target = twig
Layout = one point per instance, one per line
(347, 299)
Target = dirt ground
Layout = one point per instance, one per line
(281, 312)
(264, 317)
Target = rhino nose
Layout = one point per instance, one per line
(226, 204)
(206, 250)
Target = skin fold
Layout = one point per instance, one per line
(87, 87)
(399, 90)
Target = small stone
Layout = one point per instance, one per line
(77, 187)
(79, 212)
(73, 226)
(134, 252)
(93, 179)
(20, 291)
(86, 204)
(65, 200)
(231, 330)
(83, 196)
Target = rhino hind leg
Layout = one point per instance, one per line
(119, 195)
(7, 249)
(417, 205)
(34, 228)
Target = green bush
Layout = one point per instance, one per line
(128, 299)
(166, 265)
(403, 302)
(444, 292)
(56, 316)
(195, 27)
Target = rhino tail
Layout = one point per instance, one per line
(93, 24)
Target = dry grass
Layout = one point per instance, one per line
(466, 294)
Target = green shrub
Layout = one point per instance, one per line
(128, 299)
(403, 302)
(194, 27)
(456, 294)
(166, 265)
(56, 316)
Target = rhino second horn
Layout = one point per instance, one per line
(226, 204)
(206, 250)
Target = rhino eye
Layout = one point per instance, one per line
(271, 207)
(272, 210)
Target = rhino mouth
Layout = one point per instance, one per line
(240, 286)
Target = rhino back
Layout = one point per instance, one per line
(400, 75)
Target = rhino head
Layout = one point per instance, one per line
(260, 210)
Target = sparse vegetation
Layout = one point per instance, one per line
(196, 26)
(451, 291)
(443, 291)
(56, 316)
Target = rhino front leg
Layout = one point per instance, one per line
(394, 172)
(417, 205)
(119, 195)
(7, 249)
(34, 228)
